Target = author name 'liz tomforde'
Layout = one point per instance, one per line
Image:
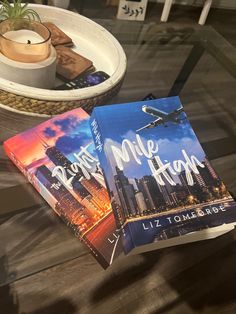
(160, 181)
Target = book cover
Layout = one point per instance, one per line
(160, 181)
(58, 157)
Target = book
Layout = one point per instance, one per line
(58, 157)
(163, 189)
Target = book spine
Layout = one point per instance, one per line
(99, 146)
(36, 184)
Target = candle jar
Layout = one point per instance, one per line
(25, 41)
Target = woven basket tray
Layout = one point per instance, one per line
(87, 35)
(42, 107)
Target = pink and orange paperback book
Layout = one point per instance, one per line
(58, 157)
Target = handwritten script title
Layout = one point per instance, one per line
(84, 164)
(134, 150)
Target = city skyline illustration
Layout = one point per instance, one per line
(53, 144)
(171, 138)
(134, 189)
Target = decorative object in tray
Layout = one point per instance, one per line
(58, 36)
(67, 29)
(27, 56)
(24, 40)
(70, 64)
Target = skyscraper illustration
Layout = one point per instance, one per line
(198, 179)
(88, 192)
(167, 189)
(67, 204)
(57, 157)
(145, 186)
(183, 180)
(208, 174)
(126, 193)
(142, 207)
(97, 191)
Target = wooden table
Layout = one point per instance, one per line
(44, 268)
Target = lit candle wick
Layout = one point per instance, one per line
(28, 42)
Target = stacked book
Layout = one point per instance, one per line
(131, 178)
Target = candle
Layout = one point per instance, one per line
(25, 41)
(24, 36)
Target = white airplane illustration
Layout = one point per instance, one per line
(162, 117)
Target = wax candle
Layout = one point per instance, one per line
(24, 36)
(23, 40)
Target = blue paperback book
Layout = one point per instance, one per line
(162, 187)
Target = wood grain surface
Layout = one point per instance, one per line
(45, 269)
(196, 278)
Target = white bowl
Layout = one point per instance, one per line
(92, 41)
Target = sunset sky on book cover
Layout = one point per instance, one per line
(58, 157)
(160, 181)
